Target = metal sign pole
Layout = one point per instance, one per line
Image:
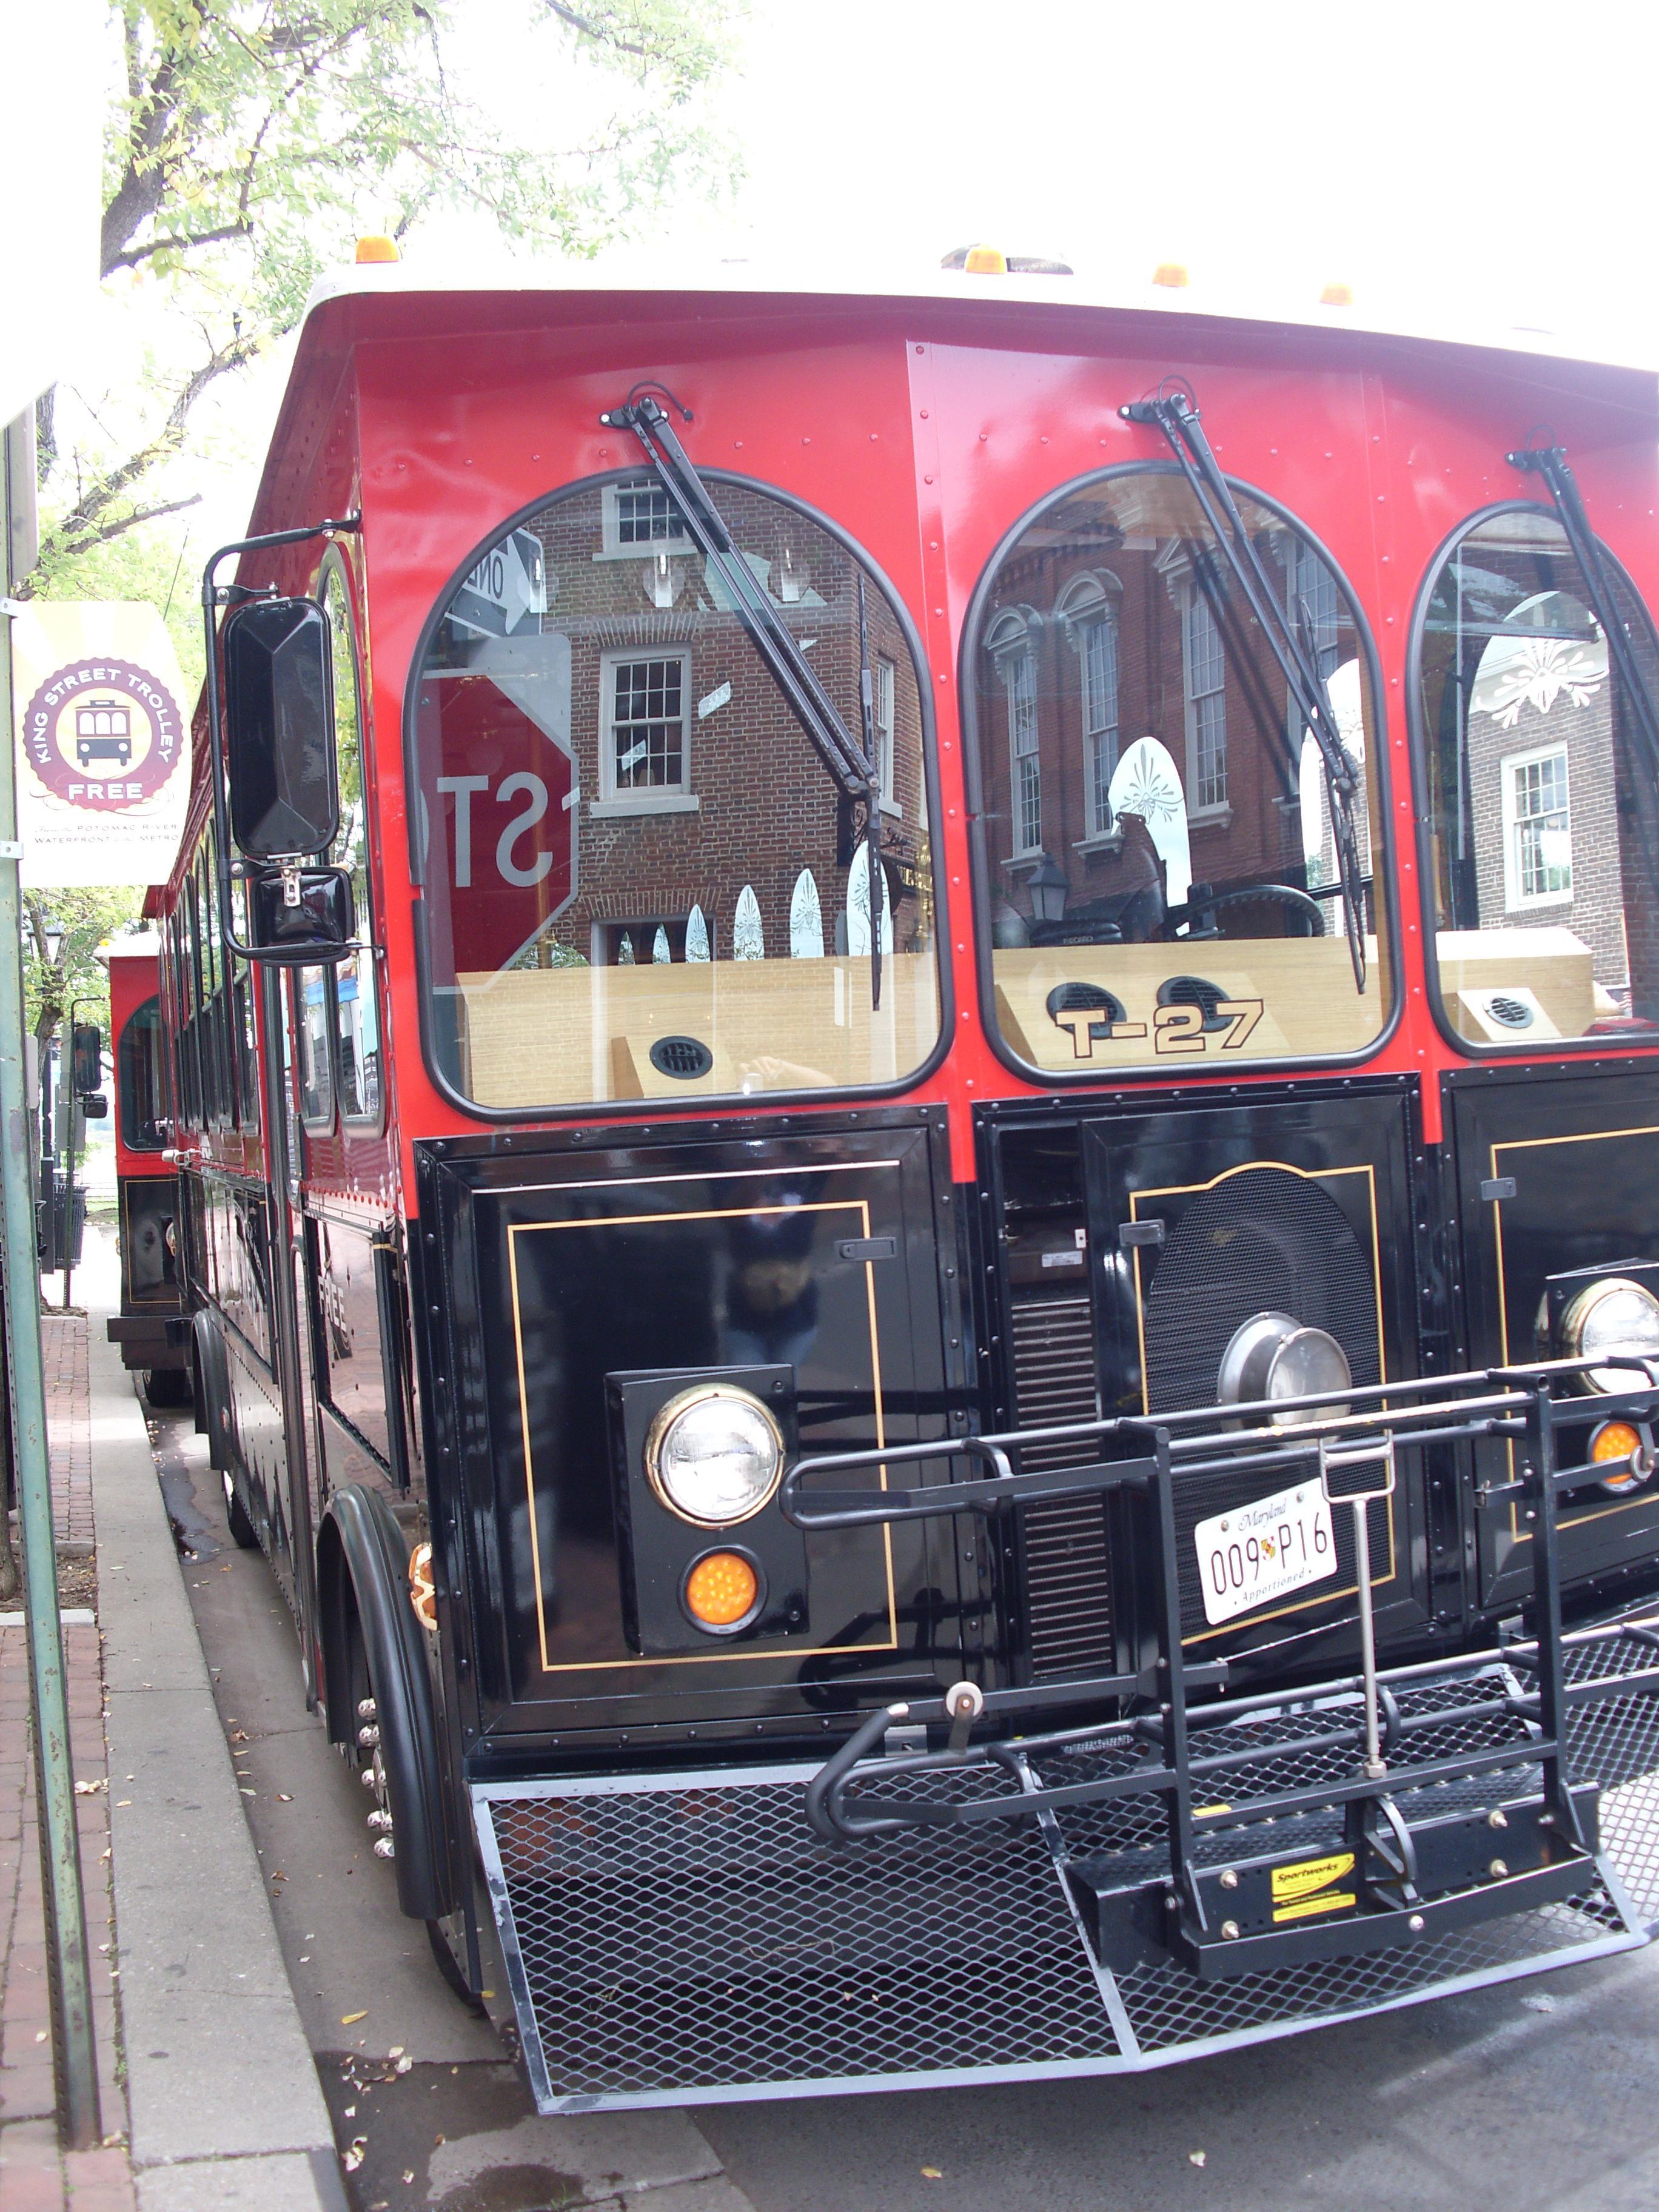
(74, 2057)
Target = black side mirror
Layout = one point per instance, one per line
(94, 1106)
(279, 728)
(305, 912)
(88, 1056)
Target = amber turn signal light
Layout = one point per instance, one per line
(376, 247)
(722, 1590)
(1618, 1447)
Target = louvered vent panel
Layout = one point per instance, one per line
(1068, 1581)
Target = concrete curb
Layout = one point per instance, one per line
(223, 2098)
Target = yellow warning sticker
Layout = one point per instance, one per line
(1303, 1876)
(1328, 1900)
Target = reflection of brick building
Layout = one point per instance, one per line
(1102, 633)
(696, 784)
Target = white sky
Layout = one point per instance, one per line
(1459, 164)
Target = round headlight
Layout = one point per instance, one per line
(1612, 1316)
(714, 1455)
(1274, 1355)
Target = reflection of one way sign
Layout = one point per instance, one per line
(507, 592)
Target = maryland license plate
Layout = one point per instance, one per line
(1253, 1553)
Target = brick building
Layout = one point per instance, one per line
(706, 825)
(1105, 629)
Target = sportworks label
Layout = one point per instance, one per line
(1303, 1888)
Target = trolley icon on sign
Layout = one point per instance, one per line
(103, 732)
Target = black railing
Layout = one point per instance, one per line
(1410, 1870)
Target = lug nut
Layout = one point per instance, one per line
(1416, 1924)
(368, 1736)
(385, 1848)
(365, 1776)
(1497, 1870)
(1229, 1931)
(380, 1818)
(1496, 1819)
(365, 1708)
(1229, 1879)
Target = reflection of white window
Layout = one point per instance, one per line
(640, 518)
(1206, 705)
(805, 919)
(1019, 674)
(881, 710)
(1313, 605)
(1537, 829)
(748, 940)
(646, 724)
(1097, 651)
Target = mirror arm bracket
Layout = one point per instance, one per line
(216, 595)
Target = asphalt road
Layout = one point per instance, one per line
(1541, 2096)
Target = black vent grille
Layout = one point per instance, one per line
(1068, 1598)
(1261, 1241)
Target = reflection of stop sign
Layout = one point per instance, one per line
(500, 792)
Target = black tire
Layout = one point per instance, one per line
(169, 1386)
(242, 1530)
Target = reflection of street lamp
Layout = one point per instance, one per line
(1049, 891)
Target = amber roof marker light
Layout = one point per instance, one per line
(991, 261)
(375, 245)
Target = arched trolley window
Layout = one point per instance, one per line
(1541, 825)
(638, 879)
(1156, 854)
(141, 1079)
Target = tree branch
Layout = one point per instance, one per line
(586, 28)
(134, 254)
(62, 546)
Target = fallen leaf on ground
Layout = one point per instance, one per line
(1196, 2158)
(934, 2173)
(284, 1797)
(410, 2175)
(354, 2157)
(89, 1788)
(403, 2065)
(350, 2019)
(396, 2052)
(238, 1735)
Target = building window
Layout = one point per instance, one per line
(1313, 608)
(639, 517)
(1207, 706)
(1537, 830)
(1097, 651)
(647, 722)
(1019, 674)
(881, 708)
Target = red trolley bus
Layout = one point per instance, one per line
(152, 1327)
(915, 1065)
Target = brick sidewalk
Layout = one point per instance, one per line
(35, 2175)
(68, 1428)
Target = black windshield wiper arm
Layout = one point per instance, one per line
(811, 704)
(1176, 415)
(1550, 462)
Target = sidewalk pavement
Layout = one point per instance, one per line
(210, 2100)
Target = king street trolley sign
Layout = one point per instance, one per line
(103, 744)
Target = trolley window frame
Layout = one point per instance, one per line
(1466, 1047)
(719, 1104)
(1385, 883)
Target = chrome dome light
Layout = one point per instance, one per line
(1274, 1355)
(1612, 1316)
(714, 1455)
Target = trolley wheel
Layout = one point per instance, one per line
(242, 1528)
(168, 1385)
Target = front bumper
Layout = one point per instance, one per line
(686, 1938)
(1187, 1875)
